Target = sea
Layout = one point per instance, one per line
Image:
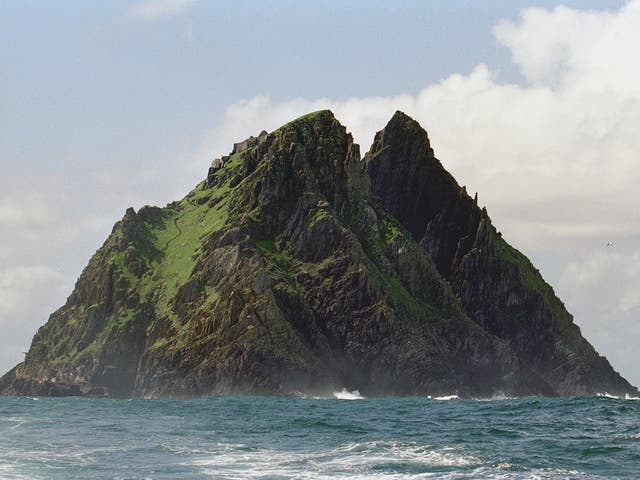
(345, 436)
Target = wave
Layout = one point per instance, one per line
(368, 460)
(498, 396)
(306, 396)
(9, 472)
(494, 397)
(376, 459)
(616, 397)
(444, 397)
(345, 394)
(16, 422)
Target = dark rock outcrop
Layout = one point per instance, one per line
(293, 268)
(497, 285)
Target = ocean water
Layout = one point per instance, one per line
(232, 437)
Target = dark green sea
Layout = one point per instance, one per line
(232, 437)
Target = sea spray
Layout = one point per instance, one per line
(345, 394)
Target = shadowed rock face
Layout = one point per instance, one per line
(497, 286)
(293, 268)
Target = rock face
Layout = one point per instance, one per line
(497, 285)
(298, 267)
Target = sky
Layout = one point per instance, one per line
(534, 105)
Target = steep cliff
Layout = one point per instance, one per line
(292, 268)
(497, 285)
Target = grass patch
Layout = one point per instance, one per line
(125, 317)
(272, 251)
(528, 274)
(170, 246)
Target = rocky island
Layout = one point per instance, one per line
(298, 266)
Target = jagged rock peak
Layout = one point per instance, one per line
(405, 174)
(401, 122)
(321, 122)
(324, 114)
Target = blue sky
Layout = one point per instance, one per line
(105, 105)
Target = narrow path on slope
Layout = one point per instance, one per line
(175, 222)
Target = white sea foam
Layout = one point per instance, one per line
(16, 421)
(498, 396)
(10, 472)
(345, 394)
(615, 397)
(607, 395)
(306, 396)
(366, 460)
(16, 464)
(444, 397)
(353, 461)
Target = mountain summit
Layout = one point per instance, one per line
(297, 266)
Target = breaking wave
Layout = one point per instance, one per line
(353, 460)
(345, 394)
(498, 396)
(444, 397)
(616, 397)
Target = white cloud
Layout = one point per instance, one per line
(157, 9)
(583, 51)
